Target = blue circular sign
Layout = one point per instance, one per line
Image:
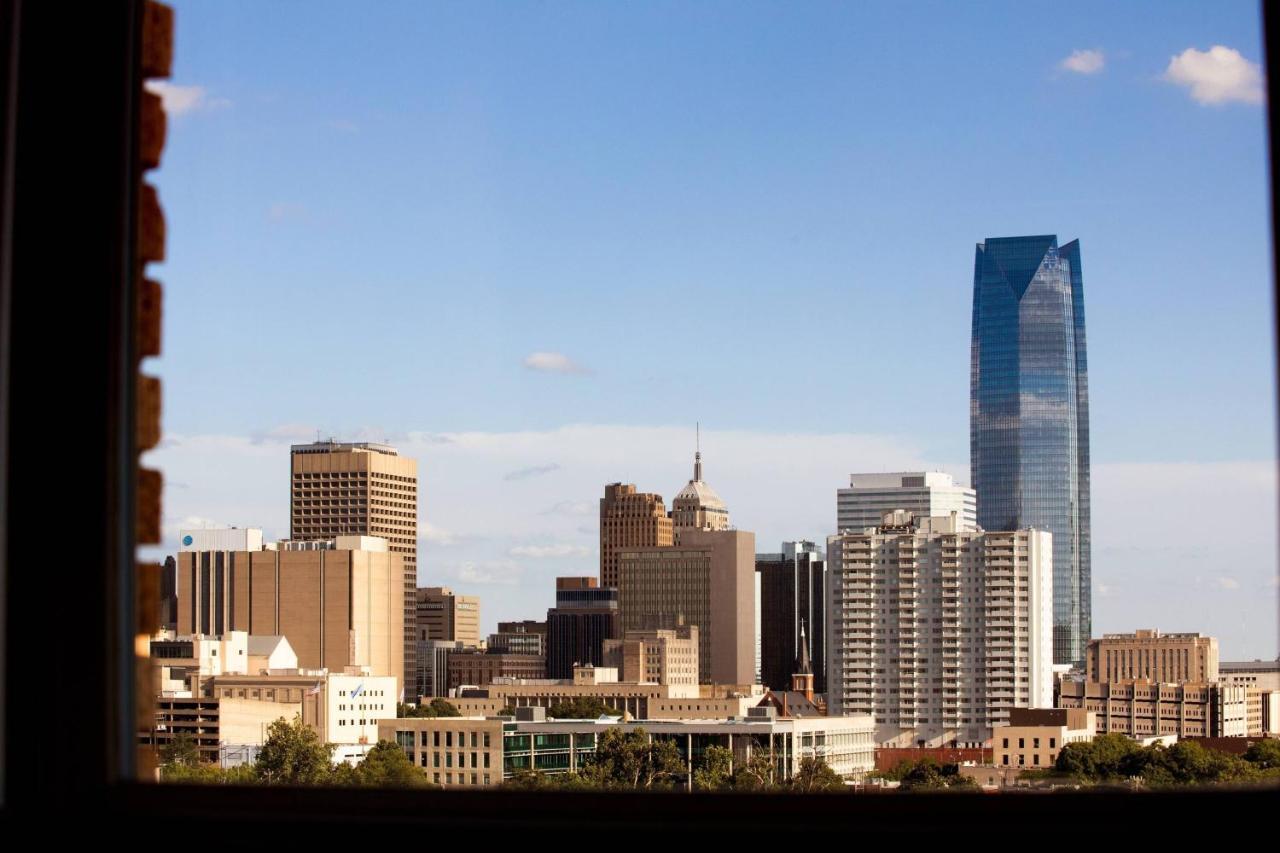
(187, 540)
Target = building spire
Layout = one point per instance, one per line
(697, 452)
(803, 667)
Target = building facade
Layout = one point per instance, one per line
(442, 615)
(792, 596)
(1029, 413)
(433, 667)
(936, 632)
(925, 493)
(1142, 708)
(629, 519)
(697, 506)
(361, 489)
(473, 666)
(1034, 736)
(1148, 654)
(1261, 681)
(708, 581)
(340, 602)
(585, 615)
(659, 656)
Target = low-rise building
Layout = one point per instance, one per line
(1142, 708)
(477, 667)
(1035, 736)
(1261, 680)
(659, 656)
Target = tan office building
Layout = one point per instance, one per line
(442, 615)
(1143, 708)
(697, 506)
(708, 580)
(339, 603)
(1168, 658)
(936, 631)
(1035, 736)
(1261, 680)
(629, 519)
(361, 489)
(660, 656)
(476, 667)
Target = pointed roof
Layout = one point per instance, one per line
(697, 490)
(803, 666)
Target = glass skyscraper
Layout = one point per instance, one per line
(1029, 412)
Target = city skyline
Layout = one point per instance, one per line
(524, 218)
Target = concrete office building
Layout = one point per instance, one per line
(659, 656)
(184, 665)
(339, 602)
(477, 667)
(937, 632)
(361, 489)
(1169, 658)
(925, 493)
(1142, 708)
(1261, 681)
(792, 589)
(433, 668)
(478, 751)
(629, 519)
(1034, 736)
(519, 638)
(585, 615)
(442, 615)
(708, 581)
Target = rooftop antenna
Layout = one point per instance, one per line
(697, 451)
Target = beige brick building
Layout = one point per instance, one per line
(443, 615)
(362, 489)
(708, 580)
(339, 603)
(1035, 736)
(1169, 658)
(660, 656)
(476, 667)
(1142, 708)
(629, 519)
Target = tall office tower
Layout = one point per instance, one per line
(925, 493)
(442, 615)
(792, 586)
(937, 632)
(360, 489)
(708, 580)
(339, 602)
(1029, 413)
(629, 519)
(585, 615)
(697, 506)
(433, 667)
(1147, 653)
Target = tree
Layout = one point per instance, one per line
(757, 774)
(293, 755)
(814, 774)
(582, 708)
(437, 707)
(715, 771)
(631, 760)
(1264, 754)
(386, 766)
(182, 750)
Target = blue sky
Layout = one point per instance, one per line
(759, 216)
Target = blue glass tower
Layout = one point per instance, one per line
(1029, 412)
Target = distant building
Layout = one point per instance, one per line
(361, 489)
(473, 666)
(519, 638)
(925, 493)
(585, 615)
(433, 667)
(708, 580)
(443, 615)
(1034, 736)
(1142, 708)
(697, 506)
(800, 700)
(937, 632)
(659, 656)
(792, 590)
(339, 601)
(1261, 680)
(629, 519)
(1168, 658)
(169, 595)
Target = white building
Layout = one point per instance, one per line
(925, 493)
(937, 632)
(221, 539)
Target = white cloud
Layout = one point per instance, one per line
(1084, 62)
(484, 573)
(553, 362)
(531, 471)
(435, 535)
(1216, 76)
(573, 508)
(543, 551)
(180, 100)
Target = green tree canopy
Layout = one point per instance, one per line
(293, 755)
(629, 760)
(715, 772)
(582, 708)
(437, 707)
(814, 775)
(181, 750)
(387, 766)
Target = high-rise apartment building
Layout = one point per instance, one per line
(629, 519)
(1168, 658)
(938, 632)
(925, 493)
(792, 589)
(708, 580)
(360, 489)
(585, 615)
(339, 602)
(442, 615)
(1029, 413)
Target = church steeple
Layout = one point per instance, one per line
(802, 678)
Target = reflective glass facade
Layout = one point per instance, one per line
(1029, 412)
